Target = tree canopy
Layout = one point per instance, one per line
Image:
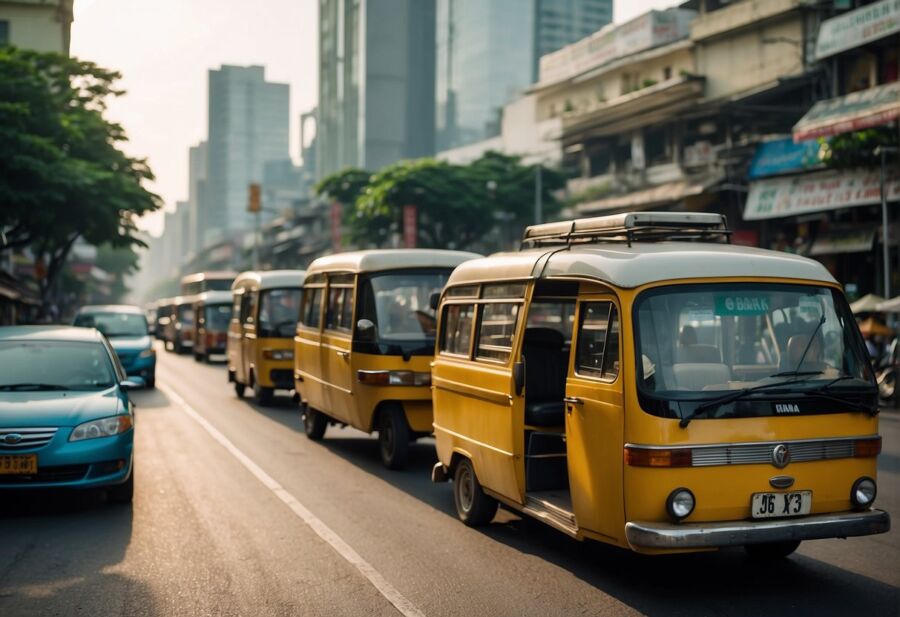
(62, 173)
(457, 205)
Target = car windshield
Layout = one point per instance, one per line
(399, 306)
(699, 342)
(185, 314)
(279, 310)
(54, 365)
(217, 316)
(114, 324)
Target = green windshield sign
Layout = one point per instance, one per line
(741, 305)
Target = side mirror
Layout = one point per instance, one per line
(434, 300)
(365, 330)
(519, 377)
(133, 383)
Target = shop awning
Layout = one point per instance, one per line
(817, 192)
(889, 306)
(867, 304)
(855, 241)
(645, 198)
(853, 112)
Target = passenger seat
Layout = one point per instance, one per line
(546, 364)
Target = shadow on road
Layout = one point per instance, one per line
(57, 549)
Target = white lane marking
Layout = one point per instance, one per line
(404, 606)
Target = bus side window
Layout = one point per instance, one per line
(312, 306)
(598, 341)
(456, 337)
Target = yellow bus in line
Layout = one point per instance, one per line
(639, 381)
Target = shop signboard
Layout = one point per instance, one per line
(650, 30)
(853, 112)
(783, 156)
(863, 25)
(817, 192)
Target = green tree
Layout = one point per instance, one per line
(344, 186)
(62, 174)
(457, 205)
(857, 149)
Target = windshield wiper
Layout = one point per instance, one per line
(731, 397)
(31, 386)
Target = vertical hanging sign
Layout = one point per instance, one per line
(336, 215)
(409, 227)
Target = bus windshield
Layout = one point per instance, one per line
(398, 303)
(700, 342)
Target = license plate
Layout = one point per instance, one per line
(775, 505)
(18, 464)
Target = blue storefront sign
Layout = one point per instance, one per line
(783, 156)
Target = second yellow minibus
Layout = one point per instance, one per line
(637, 380)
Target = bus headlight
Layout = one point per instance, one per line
(863, 493)
(680, 503)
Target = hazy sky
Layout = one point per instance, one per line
(164, 48)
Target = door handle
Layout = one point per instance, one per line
(570, 402)
(343, 354)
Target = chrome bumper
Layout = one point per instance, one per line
(738, 533)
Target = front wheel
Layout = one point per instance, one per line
(122, 493)
(393, 437)
(314, 423)
(473, 507)
(262, 394)
(772, 550)
(239, 389)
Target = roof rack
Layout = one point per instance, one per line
(631, 227)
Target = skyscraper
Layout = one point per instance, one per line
(248, 126)
(198, 219)
(376, 83)
(488, 52)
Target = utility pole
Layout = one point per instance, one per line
(882, 151)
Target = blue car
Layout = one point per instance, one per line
(126, 328)
(65, 418)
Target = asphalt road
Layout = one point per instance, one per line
(237, 513)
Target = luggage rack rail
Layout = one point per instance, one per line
(630, 228)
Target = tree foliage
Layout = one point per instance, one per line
(456, 205)
(62, 174)
(857, 149)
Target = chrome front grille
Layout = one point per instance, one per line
(25, 438)
(749, 454)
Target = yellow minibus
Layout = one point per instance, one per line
(264, 313)
(638, 380)
(365, 340)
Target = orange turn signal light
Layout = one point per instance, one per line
(658, 457)
(866, 448)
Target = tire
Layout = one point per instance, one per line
(198, 357)
(772, 550)
(314, 423)
(151, 381)
(393, 437)
(473, 507)
(262, 395)
(239, 389)
(122, 493)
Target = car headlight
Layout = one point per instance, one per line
(863, 493)
(278, 354)
(147, 353)
(680, 504)
(104, 427)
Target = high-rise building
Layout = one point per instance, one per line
(376, 83)
(248, 126)
(42, 25)
(198, 219)
(488, 53)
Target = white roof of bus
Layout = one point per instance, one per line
(389, 259)
(641, 263)
(214, 297)
(207, 276)
(270, 279)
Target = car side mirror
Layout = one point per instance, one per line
(365, 330)
(434, 300)
(519, 377)
(133, 383)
